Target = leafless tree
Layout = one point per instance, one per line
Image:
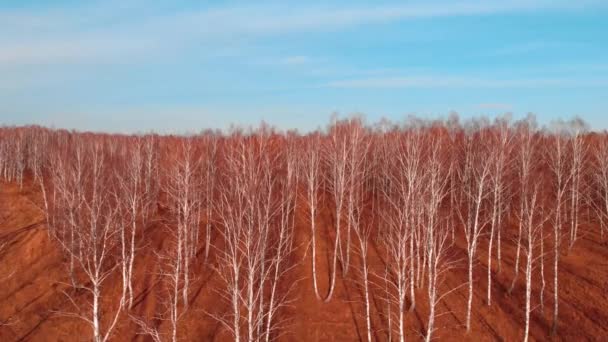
(256, 211)
(356, 210)
(13, 159)
(91, 216)
(578, 167)
(402, 173)
(408, 182)
(601, 179)
(362, 231)
(498, 188)
(533, 221)
(172, 303)
(358, 145)
(67, 183)
(312, 179)
(557, 159)
(182, 187)
(525, 159)
(210, 166)
(475, 180)
(396, 237)
(282, 244)
(436, 234)
(336, 158)
(19, 157)
(130, 194)
(151, 178)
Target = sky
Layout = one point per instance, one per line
(183, 66)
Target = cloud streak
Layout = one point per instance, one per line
(495, 106)
(461, 82)
(295, 60)
(99, 33)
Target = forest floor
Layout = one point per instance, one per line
(34, 289)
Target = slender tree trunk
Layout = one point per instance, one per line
(401, 313)
(365, 271)
(176, 280)
(186, 272)
(124, 262)
(314, 253)
(250, 302)
(131, 262)
(236, 323)
(96, 328)
(389, 314)
(332, 283)
(346, 260)
(556, 239)
(432, 298)
(470, 284)
(542, 271)
(73, 247)
(518, 251)
(528, 286)
(412, 273)
(499, 244)
(207, 238)
(495, 214)
(489, 294)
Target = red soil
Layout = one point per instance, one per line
(33, 302)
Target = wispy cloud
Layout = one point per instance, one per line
(495, 106)
(462, 82)
(531, 47)
(295, 60)
(98, 33)
(72, 50)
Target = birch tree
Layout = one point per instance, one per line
(282, 244)
(312, 180)
(601, 179)
(182, 186)
(397, 229)
(130, 194)
(498, 186)
(358, 170)
(93, 217)
(358, 145)
(525, 157)
(210, 166)
(253, 258)
(436, 232)
(336, 157)
(533, 222)
(578, 153)
(557, 160)
(476, 190)
(408, 182)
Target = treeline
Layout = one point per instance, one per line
(415, 189)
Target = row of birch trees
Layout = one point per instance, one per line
(424, 197)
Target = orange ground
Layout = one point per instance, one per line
(32, 298)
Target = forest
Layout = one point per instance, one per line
(480, 229)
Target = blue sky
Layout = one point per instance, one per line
(136, 65)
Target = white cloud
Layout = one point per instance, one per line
(107, 32)
(295, 60)
(462, 82)
(533, 46)
(495, 106)
(182, 118)
(72, 50)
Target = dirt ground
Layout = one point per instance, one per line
(34, 284)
